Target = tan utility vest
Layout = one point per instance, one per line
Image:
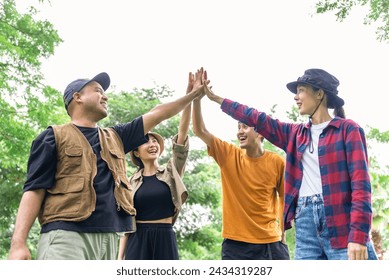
(73, 198)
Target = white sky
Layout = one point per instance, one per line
(250, 49)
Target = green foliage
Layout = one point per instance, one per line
(10, 193)
(295, 116)
(291, 241)
(126, 106)
(380, 202)
(199, 227)
(376, 134)
(204, 244)
(379, 12)
(204, 184)
(380, 196)
(26, 104)
(24, 41)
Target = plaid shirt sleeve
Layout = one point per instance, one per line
(273, 130)
(361, 211)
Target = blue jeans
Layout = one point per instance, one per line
(312, 237)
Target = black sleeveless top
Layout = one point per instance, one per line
(153, 200)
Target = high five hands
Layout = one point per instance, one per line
(197, 82)
(201, 85)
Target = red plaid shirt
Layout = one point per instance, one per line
(343, 164)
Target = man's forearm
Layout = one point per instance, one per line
(167, 110)
(28, 211)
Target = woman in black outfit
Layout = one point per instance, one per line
(158, 193)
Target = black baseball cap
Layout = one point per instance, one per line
(77, 85)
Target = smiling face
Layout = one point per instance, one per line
(93, 101)
(149, 151)
(307, 99)
(247, 136)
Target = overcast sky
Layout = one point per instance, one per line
(250, 49)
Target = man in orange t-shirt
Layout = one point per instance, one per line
(253, 193)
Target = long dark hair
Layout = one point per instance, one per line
(136, 160)
(331, 103)
(339, 112)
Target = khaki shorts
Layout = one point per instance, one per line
(70, 245)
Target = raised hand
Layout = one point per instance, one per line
(208, 91)
(198, 82)
(201, 81)
(191, 80)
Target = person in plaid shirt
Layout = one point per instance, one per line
(327, 184)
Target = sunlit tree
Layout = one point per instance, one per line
(378, 13)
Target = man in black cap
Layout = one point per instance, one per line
(77, 184)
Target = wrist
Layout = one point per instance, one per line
(218, 99)
(18, 242)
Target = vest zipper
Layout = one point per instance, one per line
(117, 183)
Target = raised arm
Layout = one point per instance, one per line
(211, 95)
(198, 123)
(272, 129)
(29, 207)
(185, 116)
(167, 110)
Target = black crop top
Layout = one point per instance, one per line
(153, 200)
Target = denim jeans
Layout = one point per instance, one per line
(312, 237)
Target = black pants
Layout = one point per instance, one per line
(238, 250)
(152, 242)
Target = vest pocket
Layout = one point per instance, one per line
(72, 160)
(118, 159)
(64, 199)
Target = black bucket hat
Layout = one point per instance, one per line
(320, 79)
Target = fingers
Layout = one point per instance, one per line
(208, 89)
(199, 75)
(190, 82)
(357, 251)
(190, 77)
(200, 81)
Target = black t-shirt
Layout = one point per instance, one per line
(41, 174)
(153, 200)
